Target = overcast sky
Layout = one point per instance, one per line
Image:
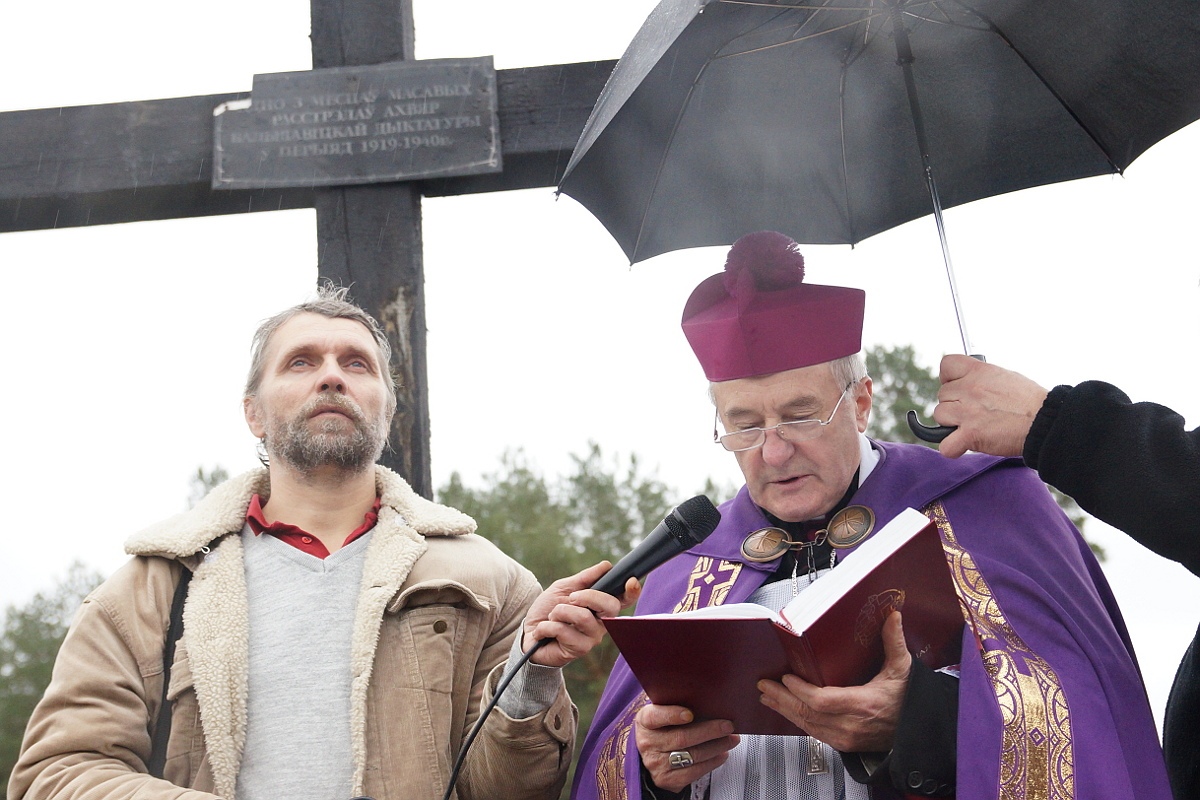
(127, 344)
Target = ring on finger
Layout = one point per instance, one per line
(680, 759)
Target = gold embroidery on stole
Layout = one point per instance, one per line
(1036, 758)
(610, 763)
(706, 576)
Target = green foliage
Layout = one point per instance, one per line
(204, 482)
(518, 512)
(1077, 516)
(556, 527)
(29, 643)
(32, 634)
(612, 506)
(719, 492)
(900, 384)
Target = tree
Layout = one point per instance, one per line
(29, 643)
(518, 510)
(204, 481)
(557, 527)
(902, 384)
(33, 633)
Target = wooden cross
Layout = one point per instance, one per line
(147, 160)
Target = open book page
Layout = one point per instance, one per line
(814, 601)
(730, 611)
(710, 660)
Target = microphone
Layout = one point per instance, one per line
(688, 525)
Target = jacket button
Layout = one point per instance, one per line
(929, 787)
(915, 779)
(440, 626)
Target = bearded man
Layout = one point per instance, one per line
(340, 632)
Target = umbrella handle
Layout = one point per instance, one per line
(933, 433)
(928, 433)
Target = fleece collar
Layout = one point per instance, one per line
(215, 616)
(223, 511)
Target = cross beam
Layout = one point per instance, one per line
(125, 162)
(152, 159)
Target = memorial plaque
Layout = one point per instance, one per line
(406, 120)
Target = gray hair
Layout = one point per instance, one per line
(331, 302)
(846, 371)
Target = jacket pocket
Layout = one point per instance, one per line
(431, 637)
(421, 689)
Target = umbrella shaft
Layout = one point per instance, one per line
(904, 58)
(958, 309)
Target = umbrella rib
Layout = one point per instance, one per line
(804, 25)
(679, 118)
(994, 28)
(797, 39)
(795, 6)
(845, 163)
(865, 21)
(952, 23)
(663, 160)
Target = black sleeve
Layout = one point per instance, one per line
(924, 754)
(1132, 465)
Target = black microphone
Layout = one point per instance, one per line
(685, 527)
(688, 525)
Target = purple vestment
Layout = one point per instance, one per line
(1051, 702)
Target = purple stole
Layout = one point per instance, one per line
(1051, 702)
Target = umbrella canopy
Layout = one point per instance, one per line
(729, 116)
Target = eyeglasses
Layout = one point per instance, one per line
(796, 431)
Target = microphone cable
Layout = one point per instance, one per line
(505, 680)
(687, 525)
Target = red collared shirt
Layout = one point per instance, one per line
(300, 539)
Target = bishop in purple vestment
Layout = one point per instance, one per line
(1047, 701)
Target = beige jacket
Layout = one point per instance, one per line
(437, 613)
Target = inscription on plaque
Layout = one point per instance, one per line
(406, 120)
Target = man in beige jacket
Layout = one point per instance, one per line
(341, 633)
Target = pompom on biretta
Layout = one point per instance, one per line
(758, 316)
(765, 261)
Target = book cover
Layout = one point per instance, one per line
(710, 660)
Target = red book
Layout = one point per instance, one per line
(711, 659)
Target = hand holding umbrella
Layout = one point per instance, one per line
(991, 408)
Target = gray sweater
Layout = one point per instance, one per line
(301, 614)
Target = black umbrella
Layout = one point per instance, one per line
(830, 121)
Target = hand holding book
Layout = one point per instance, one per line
(662, 730)
(712, 659)
(851, 719)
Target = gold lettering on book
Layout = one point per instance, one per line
(873, 613)
(1037, 760)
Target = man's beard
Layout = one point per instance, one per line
(306, 444)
